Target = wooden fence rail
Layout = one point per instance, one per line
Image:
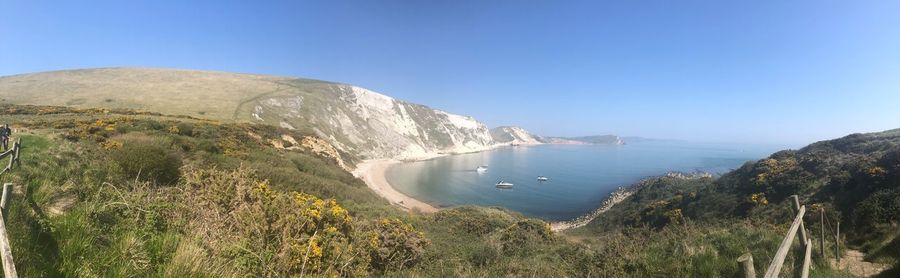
(746, 261)
(9, 267)
(778, 260)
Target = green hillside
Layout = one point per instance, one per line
(854, 179)
(171, 92)
(130, 194)
(125, 194)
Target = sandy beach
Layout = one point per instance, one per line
(373, 173)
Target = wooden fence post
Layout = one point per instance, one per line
(822, 226)
(807, 260)
(18, 150)
(778, 260)
(745, 262)
(803, 237)
(9, 268)
(837, 242)
(4, 200)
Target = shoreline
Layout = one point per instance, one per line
(373, 173)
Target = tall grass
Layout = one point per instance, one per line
(76, 212)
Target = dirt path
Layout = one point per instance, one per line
(61, 204)
(853, 262)
(237, 109)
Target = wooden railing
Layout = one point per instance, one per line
(13, 154)
(745, 262)
(9, 267)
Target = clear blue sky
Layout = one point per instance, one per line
(748, 71)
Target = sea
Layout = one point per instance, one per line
(579, 177)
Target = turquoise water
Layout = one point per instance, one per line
(580, 176)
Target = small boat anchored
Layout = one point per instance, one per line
(542, 178)
(481, 169)
(504, 184)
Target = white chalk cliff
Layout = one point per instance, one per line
(373, 125)
(354, 120)
(514, 135)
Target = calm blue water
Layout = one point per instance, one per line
(581, 176)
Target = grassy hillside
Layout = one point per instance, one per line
(157, 90)
(97, 195)
(855, 179)
(352, 119)
(101, 193)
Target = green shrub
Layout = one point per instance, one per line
(882, 207)
(150, 125)
(484, 255)
(267, 232)
(185, 129)
(209, 146)
(525, 233)
(471, 221)
(147, 160)
(394, 245)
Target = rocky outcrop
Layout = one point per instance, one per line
(312, 144)
(614, 198)
(320, 147)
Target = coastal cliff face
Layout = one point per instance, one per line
(596, 139)
(372, 125)
(354, 120)
(514, 135)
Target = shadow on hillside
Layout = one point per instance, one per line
(46, 260)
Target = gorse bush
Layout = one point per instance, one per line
(279, 233)
(881, 207)
(208, 222)
(394, 245)
(147, 160)
(185, 129)
(270, 232)
(779, 176)
(471, 221)
(525, 233)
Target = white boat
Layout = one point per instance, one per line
(481, 168)
(504, 184)
(542, 178)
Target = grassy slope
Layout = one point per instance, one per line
(157, 90)
(84, 241)
(66, 158)
(856, 179)
(92, 238)
(465, 241)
